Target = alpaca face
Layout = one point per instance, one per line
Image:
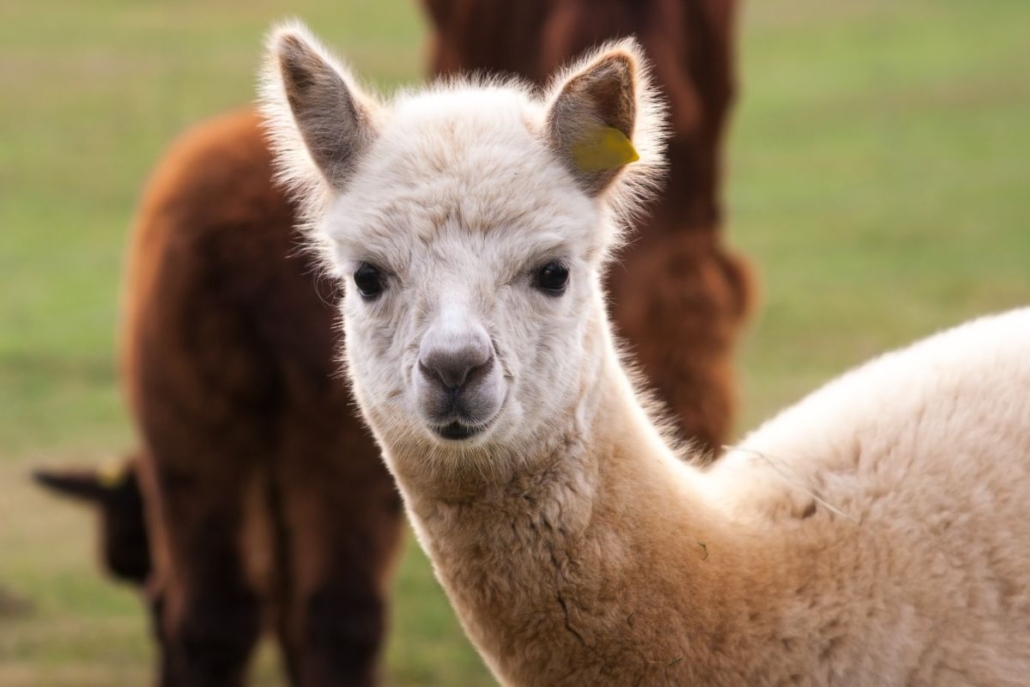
(469, 224)
(469, 265)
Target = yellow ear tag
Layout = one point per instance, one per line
(112, 472)
(605, 148)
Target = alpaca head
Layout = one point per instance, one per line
(470, 223)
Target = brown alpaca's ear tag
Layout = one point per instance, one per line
(112, 472)
(604, 148)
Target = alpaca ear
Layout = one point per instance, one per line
(98, 486)
(309, 95)
(591, 120)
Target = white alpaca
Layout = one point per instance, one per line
(876, 534)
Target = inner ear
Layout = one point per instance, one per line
(333, 118)
(611, 88)
(591, 120)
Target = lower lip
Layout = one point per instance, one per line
(457, 431)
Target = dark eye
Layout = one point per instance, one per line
(369, 281)
(552, 278)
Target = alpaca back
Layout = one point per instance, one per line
(925, 453)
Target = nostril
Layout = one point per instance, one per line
(479, 371)
(455, 369)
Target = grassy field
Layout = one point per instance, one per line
(879, 180)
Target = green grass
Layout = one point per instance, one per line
(878, 180)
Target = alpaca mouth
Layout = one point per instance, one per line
(462, 420)
(456, 431)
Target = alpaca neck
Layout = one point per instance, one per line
(550, 565)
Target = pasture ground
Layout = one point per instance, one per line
(879, 180)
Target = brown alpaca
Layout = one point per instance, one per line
(679, 296)
(266, 501)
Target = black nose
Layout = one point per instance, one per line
(458, 367)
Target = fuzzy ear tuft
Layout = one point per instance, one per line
(604, 115)
(314, 110)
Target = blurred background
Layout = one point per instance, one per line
(878, 178)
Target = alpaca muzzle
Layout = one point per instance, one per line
(458, 382)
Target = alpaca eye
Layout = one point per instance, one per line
(369, 281)
(552, 278)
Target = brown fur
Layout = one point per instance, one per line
(679, 296)
(229, 362)
(266, 500)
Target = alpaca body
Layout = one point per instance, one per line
(877, 534)
(266, 503)
(610, 568)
